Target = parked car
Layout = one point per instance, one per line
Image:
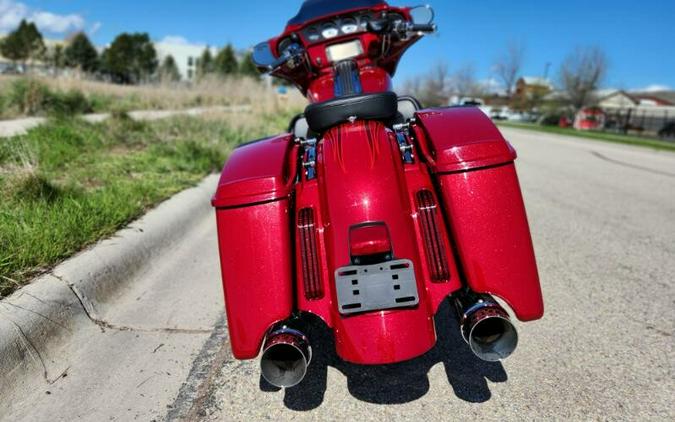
(668, 131)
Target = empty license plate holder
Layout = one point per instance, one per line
(388, 285)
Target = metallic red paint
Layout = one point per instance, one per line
(481, 194)
(256, 253)
(257, 172)
(255, 259)
(361, 179)
(455, 211)
(492, 236)
(375, 70)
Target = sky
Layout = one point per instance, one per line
(637, 36)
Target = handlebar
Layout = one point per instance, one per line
(399, 27)
(429, 27)
(279, 62)
(291, 53)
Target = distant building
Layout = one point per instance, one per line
(529, 87)
(638, 111)
(185, 55)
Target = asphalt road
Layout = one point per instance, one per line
(603, 222)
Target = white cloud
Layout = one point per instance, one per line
(655, 88)
(175, 39)
(178, 40)
(57, 23)
(12, 12)
(95, 27)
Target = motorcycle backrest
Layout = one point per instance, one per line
(407, 106)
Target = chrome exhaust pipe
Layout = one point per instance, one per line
(286, 355)
(486, 326)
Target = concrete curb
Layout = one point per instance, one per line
(40, 317)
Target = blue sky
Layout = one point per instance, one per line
(638, 36)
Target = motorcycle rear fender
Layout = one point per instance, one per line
(254, 239)
(361, 179)
(477, 180)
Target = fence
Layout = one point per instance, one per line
(647, 121)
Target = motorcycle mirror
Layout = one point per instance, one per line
(422, 15)
(262, 55)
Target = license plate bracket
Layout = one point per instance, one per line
(388, 285)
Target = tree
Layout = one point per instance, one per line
(581, 73)
(509, 64)
(413, 87)
(464, 82)
(205, 63)
(226, 61)
(82, 54)
(248, 67)
(23, 44)
(131, 58)
(56, 57)
(168, 70)
(434, 86)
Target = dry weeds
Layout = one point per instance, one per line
(166, 96)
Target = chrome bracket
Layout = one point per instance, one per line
(309, 158)
(402, 132)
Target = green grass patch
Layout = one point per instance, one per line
(598, 136)
(69, 183)
(29, 97)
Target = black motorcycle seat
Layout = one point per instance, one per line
(378, 106)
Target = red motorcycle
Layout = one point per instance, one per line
(371, 211)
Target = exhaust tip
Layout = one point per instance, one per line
(493, 339)
(285, 358)
(486, 326)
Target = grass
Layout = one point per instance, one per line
(599, 136)
(38, 96)
(68, 183)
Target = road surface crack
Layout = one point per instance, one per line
(622, 163)
(90, 310)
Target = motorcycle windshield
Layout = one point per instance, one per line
(313, 9)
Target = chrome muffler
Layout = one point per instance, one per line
(286, 355)
(485, 326)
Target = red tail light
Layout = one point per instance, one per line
(309, 255)
(433, 242)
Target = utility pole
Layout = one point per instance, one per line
(546, 69)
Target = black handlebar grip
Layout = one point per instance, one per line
(427, 27)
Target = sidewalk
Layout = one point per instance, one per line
(9, 128)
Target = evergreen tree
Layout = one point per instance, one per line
(131, 58)
(81, 54)
(168, 70)
(56, 57)
(226, 61)
(248, 67)
(205, 63)
(23, 43)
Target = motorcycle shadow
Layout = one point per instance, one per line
(396, 383)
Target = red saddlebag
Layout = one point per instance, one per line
(252, 209)
(478, 182)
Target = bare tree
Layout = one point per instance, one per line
(412, 86)
(507, 67)
(435, 86)
(464, 82)
(430, 89)
(581, 73)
